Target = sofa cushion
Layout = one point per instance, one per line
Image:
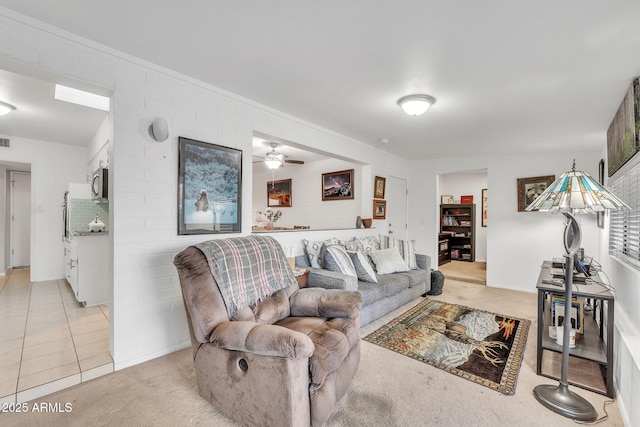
(388, 261)
(371, 292)
(394, 283)
(416, 277)
(363, 269)
(337, 259)
(314, 250)
(405, 247)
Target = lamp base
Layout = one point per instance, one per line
(563, 401)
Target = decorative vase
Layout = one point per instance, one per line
(358, 221)
(270, 225)
(367, 222)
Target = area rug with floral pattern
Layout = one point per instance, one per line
(482, 347)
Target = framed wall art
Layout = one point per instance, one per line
(379, 209)
(530, 188)
(446, 199)
(209, 188)
(379, 187)
(484, 207)
(623, 135)
(337, 185)
(279, 194)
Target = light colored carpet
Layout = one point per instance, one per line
(464, 271)
(389, 389)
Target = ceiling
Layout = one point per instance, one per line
(512, 78)
(39, 116)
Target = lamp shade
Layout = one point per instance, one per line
(414, 105)
(576, 192)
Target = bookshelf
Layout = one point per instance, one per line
(458, 223)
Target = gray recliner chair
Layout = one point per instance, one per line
(285, 360)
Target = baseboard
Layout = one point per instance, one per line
(131, 362)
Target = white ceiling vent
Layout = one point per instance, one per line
(5, 142)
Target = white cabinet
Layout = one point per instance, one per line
(86, 268)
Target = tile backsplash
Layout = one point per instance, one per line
(83, 211)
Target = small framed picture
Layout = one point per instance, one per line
(379, 209)
(337, 185)
(380, 183)
(279, 194)
(484, 207)
(530, 188)
(446, 199)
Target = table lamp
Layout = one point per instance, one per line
(574, 192)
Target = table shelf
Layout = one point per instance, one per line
(596, 343)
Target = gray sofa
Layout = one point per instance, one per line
(392, 290)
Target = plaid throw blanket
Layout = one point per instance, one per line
(247, 269)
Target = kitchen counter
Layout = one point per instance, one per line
(90, 233)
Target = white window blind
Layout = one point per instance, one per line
(624, 227)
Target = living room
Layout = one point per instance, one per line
(148, 318)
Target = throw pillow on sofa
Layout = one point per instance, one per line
(363, 269)
(337, 259)
(367, 244)
(388, 261)
(405, 247)
(314, 250)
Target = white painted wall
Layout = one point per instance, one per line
(464, 184)
(517, 242)
(4, 224)
(53, 166)
(307, 207)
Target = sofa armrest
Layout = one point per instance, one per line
(266, 340)
(318, 302)
(321, 278)
(423, 262)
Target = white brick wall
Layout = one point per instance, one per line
(147, 312)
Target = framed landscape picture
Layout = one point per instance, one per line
(279, 194)
(623, 135)
(337, 185)
(379, 209)
(209, 188)
(378, 188)
(530, 188)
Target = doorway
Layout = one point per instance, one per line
(396, 193)
(19, 219)
(468, 187)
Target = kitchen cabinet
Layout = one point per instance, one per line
(86, 268)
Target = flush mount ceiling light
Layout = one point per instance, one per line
(414, 105)
(6, 108)
(80, 97)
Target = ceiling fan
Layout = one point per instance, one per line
(274, 160)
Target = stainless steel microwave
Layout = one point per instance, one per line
(100, 185)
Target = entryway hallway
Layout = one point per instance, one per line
(464, 271)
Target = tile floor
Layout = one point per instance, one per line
(48, 341)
